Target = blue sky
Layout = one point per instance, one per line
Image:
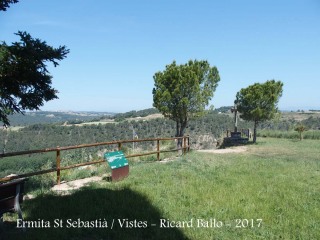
(117, 46)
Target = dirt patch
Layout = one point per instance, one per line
(238, 149)
(166, 160)
(146, 118)
(72, 185)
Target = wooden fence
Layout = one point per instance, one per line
(185, 148)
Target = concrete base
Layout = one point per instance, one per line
(234, 141)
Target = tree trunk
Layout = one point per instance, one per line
(180, 128)
(6, 133)
(255, 132)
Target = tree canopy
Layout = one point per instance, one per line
(4, 4)
(25, 83)
(183, 91)
(258, 102)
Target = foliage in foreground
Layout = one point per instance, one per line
(25, 82)
(5, 4)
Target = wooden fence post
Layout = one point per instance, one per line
(58, 168)
(158, 150)
(58, 160)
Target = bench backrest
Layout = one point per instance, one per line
(8, 193)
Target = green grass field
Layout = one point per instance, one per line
(310, 134)
(269, 192)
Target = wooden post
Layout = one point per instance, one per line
(58, 160)
(158, 150)
(188, 138)
(119, 146)
(184, 145)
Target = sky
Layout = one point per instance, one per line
(116, 47)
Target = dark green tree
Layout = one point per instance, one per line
(183, 91)
(258, 102)
(25, 82)
(4, 4)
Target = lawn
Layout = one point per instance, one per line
(271, 191)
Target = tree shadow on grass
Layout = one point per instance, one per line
(93, 205)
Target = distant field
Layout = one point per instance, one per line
(151, 116)
(93, 123)
(299, 116)
(15, 128)
(49, 117)
(105, 121)
(271, 191)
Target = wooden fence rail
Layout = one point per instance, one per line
(185, 148)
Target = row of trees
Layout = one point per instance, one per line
(39, 136)
(203, 132)
(212, 124)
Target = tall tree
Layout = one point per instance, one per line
(258, 102)
(4, 4)
(25, 83)
(183, 91)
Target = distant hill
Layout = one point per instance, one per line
(223, 109)
(74, 117)
(134, 114)
(46, 117)
(310, 119)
